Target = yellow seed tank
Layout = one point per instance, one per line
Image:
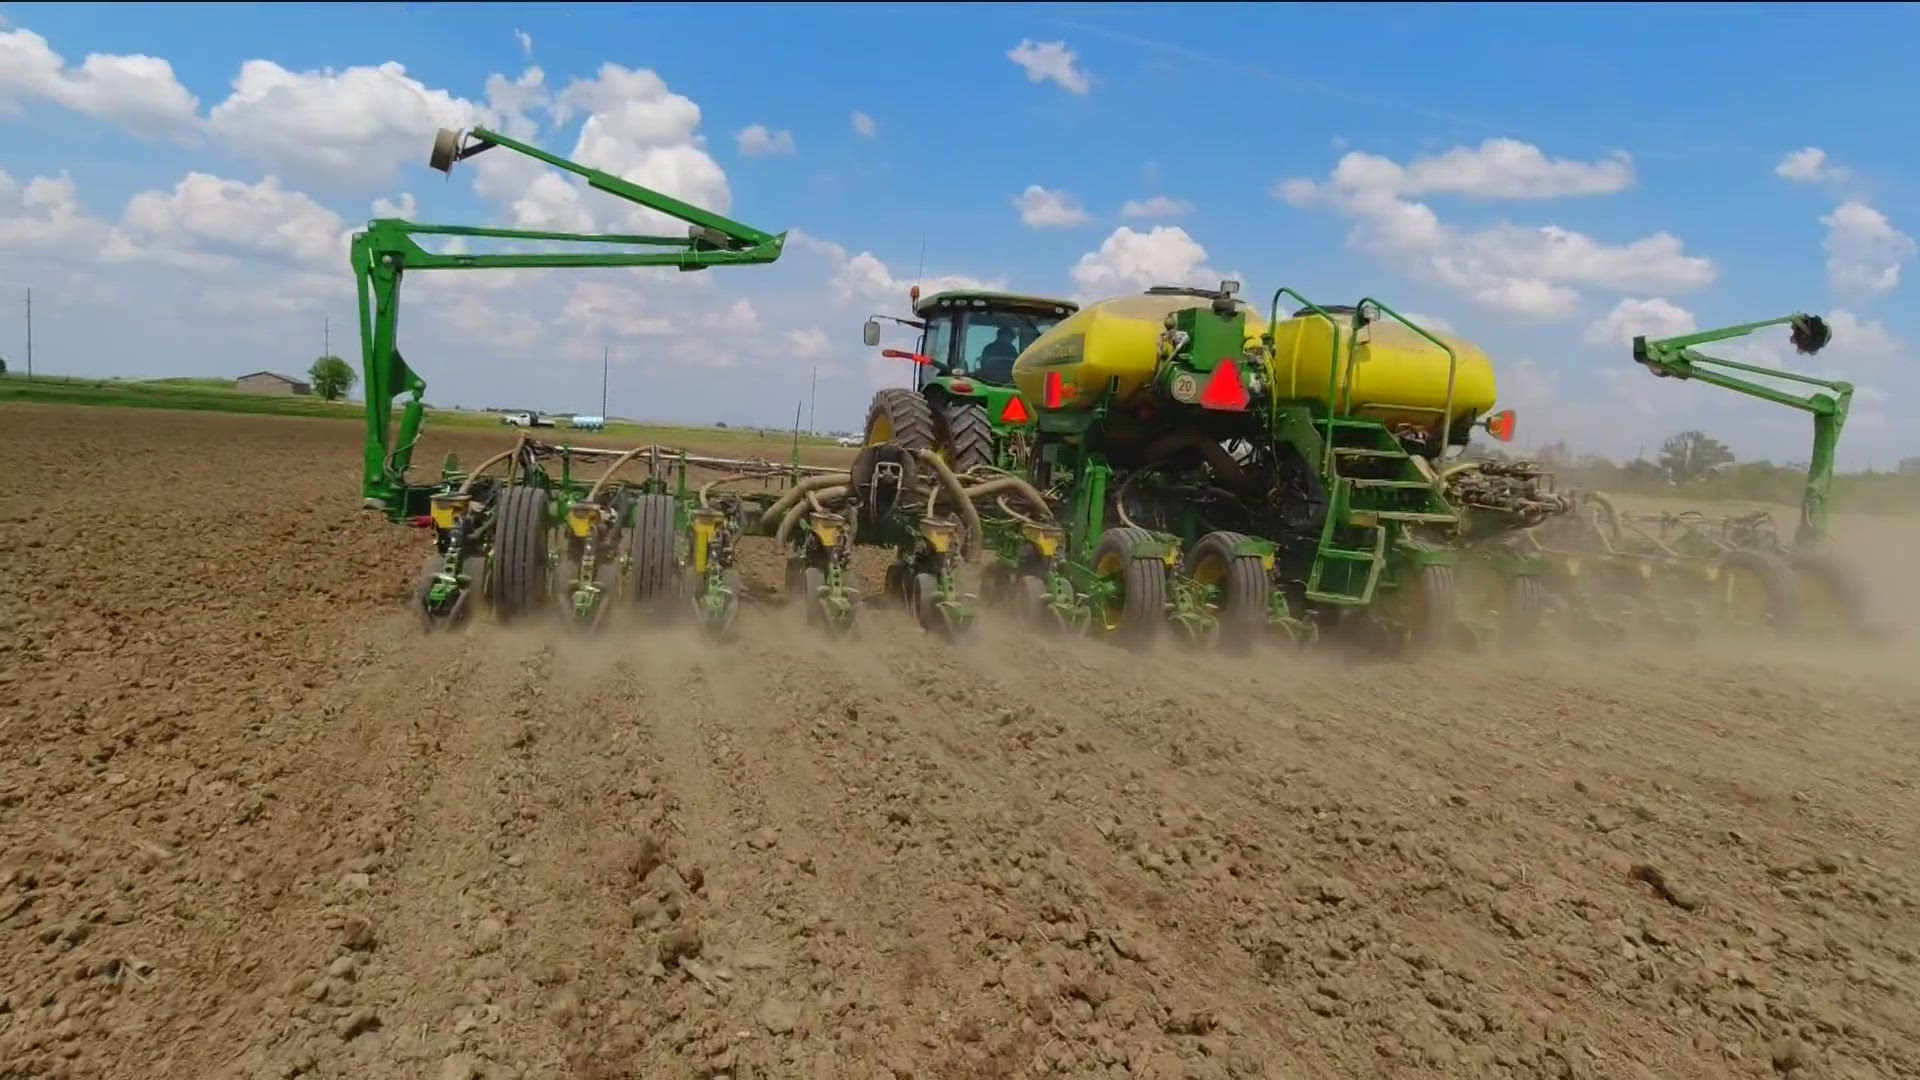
(1398, 376)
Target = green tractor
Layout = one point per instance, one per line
(963, 405)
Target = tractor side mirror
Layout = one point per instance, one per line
(870, 333)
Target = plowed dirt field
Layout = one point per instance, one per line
(254, 824)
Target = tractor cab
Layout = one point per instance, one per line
(963, 402)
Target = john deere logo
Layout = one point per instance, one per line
(1186, 388)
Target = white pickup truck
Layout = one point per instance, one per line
(525, 419)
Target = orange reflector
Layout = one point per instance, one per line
(1015, 412)
(1500, 425)
(1056, 390)
(1225, 390)
(962, 386)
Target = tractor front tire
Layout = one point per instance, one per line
(521, 532)
(902, 417)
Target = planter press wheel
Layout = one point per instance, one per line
(1135, 604)
(933, 618)
(1757, 591)
(1242, 583)
(520, 539)
(1432, 609)
(820, 611)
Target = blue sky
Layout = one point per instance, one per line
(1544, 180)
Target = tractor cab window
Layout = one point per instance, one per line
(990, 340)
(938, 342)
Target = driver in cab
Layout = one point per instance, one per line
(995, 364)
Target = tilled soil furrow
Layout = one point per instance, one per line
(254, 825)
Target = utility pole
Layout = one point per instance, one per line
(326, 335)
(605, 352)
(812, 389)
(796, 440)
(29, 331)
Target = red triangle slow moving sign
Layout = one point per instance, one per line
(1225, 390)
(1015, 412)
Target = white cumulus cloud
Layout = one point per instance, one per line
(1128, 261)
(864, 125)
(1864, 250)
(361, 124)
(635, 128)
(1533, 271)
(864, 278)
(1157, 206)
(229, 219)
(756, 141)
(137, 92)
(1809, 165)
(1496, 169)
(1631, 318)
(1051, 61)
(44, 214)
(526, 41)
(1044, 209)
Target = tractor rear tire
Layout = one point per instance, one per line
(900, 416)
(521, 532)
(1135, 617)
(967, 439)
(1779, 589)
(1242, 582)
(655, 569)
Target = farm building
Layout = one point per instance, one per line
(268, 382)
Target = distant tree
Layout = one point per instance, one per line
(1908, 466)
(3, 365)
(1691, 455)
(1641, 469)
(332, 377)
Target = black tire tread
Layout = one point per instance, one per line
(1145, 584)
(910, 414)
(1245, 588)
(969, 436)
(650, 548)
(520, 536)
(1439, 607)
